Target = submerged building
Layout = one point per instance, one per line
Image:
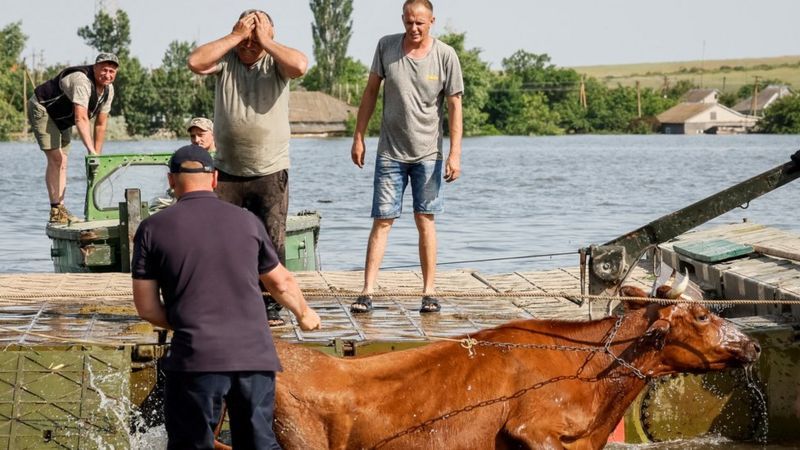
(704, 118)
(318, 114)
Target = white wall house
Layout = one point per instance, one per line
(704, 118)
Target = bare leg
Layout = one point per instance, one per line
(427, 251)
(376, 247)
(55, 176)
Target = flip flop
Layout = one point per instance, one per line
(430, 304)
(363, 304)
(274, 318)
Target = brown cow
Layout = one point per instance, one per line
(531, 384)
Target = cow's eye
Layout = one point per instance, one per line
(702, 318)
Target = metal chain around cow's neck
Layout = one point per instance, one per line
(469, 343)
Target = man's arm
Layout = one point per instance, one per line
(454, 118)
(82, 123)
(365, 111)
(203, 60)
(100, 124)
(283, 287)
(148, 304)
(291, 63)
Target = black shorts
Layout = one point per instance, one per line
(193, 404)
(265, 196)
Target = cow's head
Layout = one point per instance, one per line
(688, 337)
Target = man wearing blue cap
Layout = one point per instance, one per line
(74, 97)
(206, 257)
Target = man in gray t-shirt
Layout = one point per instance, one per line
(420, 74)
(251, 121)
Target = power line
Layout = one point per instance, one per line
(507, 258)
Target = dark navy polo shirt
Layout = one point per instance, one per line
(206, 255)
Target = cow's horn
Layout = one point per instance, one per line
(677, 291)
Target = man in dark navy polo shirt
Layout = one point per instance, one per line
(206, 257)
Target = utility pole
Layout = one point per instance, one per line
(639, 98)
(754, 100)
(582, 93)
(24, 101)
(702, 64)
(665, 89)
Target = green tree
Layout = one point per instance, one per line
(12, 42)
(535, 117)
(140, 102)
(728, 98)
(782, 117)
(506, 102)
(203, 101)
(175, 82)
(574, 118)
(331, 30)
(478, 80)
(108, 34)
(347, 86)
(537, 74)
(680, 88)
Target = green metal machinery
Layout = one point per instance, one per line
(102, 242)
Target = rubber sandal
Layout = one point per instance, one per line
(430, 305)
(274, 318)
(363, 304)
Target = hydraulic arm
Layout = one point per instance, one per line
(609, 263)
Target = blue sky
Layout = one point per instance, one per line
(572, 32)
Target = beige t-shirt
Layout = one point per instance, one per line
(251, 117)
(77, 87)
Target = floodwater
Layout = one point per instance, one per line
(519, 199)
(518, 196)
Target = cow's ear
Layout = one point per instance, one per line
(632, 291)
(657, 333)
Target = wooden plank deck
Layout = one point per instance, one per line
(760, 276)
(62, 308)
(40, 309)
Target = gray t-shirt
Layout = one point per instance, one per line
(413, 98)
(77, 87)
(251, 117)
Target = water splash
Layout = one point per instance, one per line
(759, 402)
(123, 416)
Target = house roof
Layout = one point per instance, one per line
(318, 107)
(682, 112)
(698, 95)
(763, 99)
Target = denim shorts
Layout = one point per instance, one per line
(391, 179)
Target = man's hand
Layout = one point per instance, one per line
(309, 320)
(453, 168)
(262, 30)
(244, 27)
(357, 152)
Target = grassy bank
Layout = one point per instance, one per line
(725, 74)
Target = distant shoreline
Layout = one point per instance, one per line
(726, 75)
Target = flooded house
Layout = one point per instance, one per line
(704, 118)
(318, 114)
(763, 99)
